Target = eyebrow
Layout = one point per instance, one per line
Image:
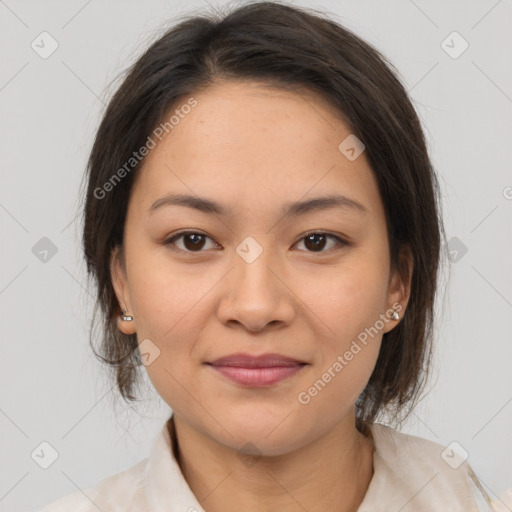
(289, 209)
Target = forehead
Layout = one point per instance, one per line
(252, 145)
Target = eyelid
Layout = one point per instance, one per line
(171, 239)
(340, 239)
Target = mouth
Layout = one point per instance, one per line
(257, 371)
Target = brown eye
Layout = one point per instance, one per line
(316, 242)
(192, 241)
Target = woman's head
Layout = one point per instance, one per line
(263, 109)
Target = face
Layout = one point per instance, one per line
(256, 275)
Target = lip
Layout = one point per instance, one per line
(257, 371)
(250, 361)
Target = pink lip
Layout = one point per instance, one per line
(257, 371)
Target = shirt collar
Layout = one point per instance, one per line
(168, 491)
(166, 488)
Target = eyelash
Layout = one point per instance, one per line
(341, 242)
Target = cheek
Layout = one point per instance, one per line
(348, 302)
(171, 305)
(349, 297)
(348, 345)
(165, 295)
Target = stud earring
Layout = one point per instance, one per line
(125, 317)
(395, 315)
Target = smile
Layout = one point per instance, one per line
(258, 377)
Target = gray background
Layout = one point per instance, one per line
(52, 388)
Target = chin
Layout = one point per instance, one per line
(261, 431)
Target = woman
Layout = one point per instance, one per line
(262, 222)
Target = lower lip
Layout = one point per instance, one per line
(258, 377)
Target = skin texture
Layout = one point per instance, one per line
(253, 149)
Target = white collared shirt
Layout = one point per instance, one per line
(410, 474)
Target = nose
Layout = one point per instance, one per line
(256, 295)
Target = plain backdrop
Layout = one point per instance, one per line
(53, 390)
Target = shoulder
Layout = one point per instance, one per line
(423, 474)
(121, 491)
(395, 443)
(421, 453)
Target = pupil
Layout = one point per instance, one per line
(316, 245)
(197, 244)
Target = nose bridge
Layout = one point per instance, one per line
(253, 262)
(256, 295)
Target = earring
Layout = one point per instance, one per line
(125, 317)
(395, 315)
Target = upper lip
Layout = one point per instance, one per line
(250, 361)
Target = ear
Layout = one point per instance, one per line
(399, 287)
(121, 289)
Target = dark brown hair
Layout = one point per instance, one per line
(291, 48)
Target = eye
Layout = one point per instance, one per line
(317, 241)
(193, 241)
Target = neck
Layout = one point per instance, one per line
(330, 474)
